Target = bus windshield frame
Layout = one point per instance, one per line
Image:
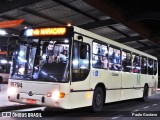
(28, 59)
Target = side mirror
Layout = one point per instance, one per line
(83, 51)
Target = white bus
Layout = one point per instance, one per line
(68, 67)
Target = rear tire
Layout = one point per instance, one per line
(145, 93)
(98, 99)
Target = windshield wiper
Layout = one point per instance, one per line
(51, 76)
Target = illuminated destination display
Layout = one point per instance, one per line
(60, 31)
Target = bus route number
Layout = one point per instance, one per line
(16, 84)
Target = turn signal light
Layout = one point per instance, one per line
(61, 95)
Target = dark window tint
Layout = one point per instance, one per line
(114, 59)
(81, 67)
(100, 56)
(155, 67)
(136, 63)
(150, 66)
(126, 61)
(143, 65)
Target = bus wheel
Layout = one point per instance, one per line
(145, 93)
(98, 99)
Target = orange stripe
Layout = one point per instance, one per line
(10, 23)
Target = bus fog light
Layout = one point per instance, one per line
(11, 91)
(56, 95)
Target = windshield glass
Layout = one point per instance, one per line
(41, 60)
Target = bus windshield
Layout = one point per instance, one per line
(41, 60)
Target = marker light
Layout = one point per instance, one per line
(4, 61)
(11, 91)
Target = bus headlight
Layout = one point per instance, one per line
(56, 95)
(11, 91)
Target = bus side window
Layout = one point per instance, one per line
(126, 61)
(150, 66)
(81, 67)
(155, 67)
(100, 56)
(114, 59)
(136, 63)
(143, 65)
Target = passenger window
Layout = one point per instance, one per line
(126, 61)
(150, 66)
(155, 67)
(143, 65)
(114, 59)
(136, 63)
(100, 56)
(81, 67)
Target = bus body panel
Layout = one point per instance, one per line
(39, 90)
(113, 79)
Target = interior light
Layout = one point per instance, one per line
(21, 53)
(66, 41)
(75, 62)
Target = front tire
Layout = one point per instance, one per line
(98, 99)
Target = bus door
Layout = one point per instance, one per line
(152, 73)
(80, 74)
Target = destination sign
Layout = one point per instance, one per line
(60, 31)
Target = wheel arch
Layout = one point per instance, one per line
(101, 85)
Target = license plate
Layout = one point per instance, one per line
(31, 101)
